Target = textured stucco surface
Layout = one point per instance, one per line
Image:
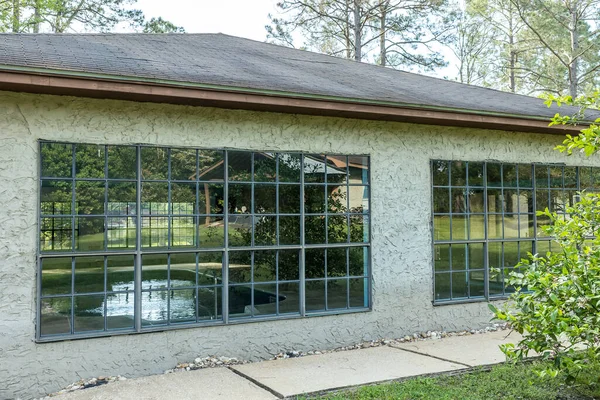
(401, 241)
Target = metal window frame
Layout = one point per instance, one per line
(533, 241)
(139, 250)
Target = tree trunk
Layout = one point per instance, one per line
(513, 54)
(574, 59)
(37, 16)
(382, 24)
(357, 31)
(16, 16)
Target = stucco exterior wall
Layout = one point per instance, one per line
(401, 241)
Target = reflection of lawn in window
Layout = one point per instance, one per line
(183, 235)
(462, 226)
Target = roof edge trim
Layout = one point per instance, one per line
(220, 97)
(235, 89)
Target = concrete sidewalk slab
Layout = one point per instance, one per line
(295, 376)
(471, 350)
(209, 383)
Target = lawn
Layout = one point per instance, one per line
(505, 381)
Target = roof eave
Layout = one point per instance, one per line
(55, 83)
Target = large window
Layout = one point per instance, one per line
(138, 238)
(484, 220)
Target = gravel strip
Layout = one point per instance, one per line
(222, 361)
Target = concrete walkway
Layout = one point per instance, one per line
(312, 374)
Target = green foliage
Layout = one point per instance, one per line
(60, 16)
(502, 382)
(556, 306)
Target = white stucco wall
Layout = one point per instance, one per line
(401, 242)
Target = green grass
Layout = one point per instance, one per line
(505, 381)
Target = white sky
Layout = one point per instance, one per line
(245, 18)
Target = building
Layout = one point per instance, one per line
(264, 198)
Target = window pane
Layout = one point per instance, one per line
(183, 164)
(476, 201)
(442, 257)
(441, 227)
(476, 256)
(511, 226)
(119, 310)
(315, 296)
(89, 233)
(211, 198)
(494, 174)
(459, 257)
(120, 274)
(359, 229)
(56, 276)
(89, 313)
(211, 165)
(337, 228)
(337, 294)
(476, 227)
(265, 199)
(509, 175)
(314, 263)
(57, 160)
(314, 199)
(155, 306)
(183, 231)
(495, 226)
(121, 198)
(441, 200)
(289, 199)
(458, 173)
(359, 293)
(459, 202)
(240, 301)
(212, 232)
(265, 231)
(155, 163)
(155, 232)
(359, 169)
(240, 266)
(183, 198)
(265, 169)
(442, 286)
(266, 299)
(182, 270)
(265, 266)
(56, 197)
(525, 180)
(359, 261)
(89, 274)
(55, 316)
(459, 227)
(359, 199)
(337, 169)
(289, 298)
(440, 173)
(289, 230)
(541, 176)
(475, 174)
(290, 167)
(240, 198)
(240, 230)
(210, 303)
(337, 199)
(155, 198)
(89, 198)
(182, 304)
(210, 268)
(240, 166)
(89, 161)
(122, 162)
(459, 285)
(56, 234)
(288, 265)
(314, 168)
(476, 283)
(314, 230)
(336, 262)
(155, 272)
